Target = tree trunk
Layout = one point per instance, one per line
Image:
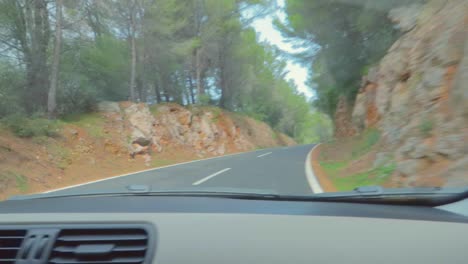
(133, 96)
(157, 93)
(198, 69)
(51, 99)
(222, 81)
(37, 71)
(191, 88)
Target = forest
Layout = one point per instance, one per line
(61, 57)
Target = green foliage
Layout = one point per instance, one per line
(204, 99)
(11, 82)
(105, 65)
(342, 38)
(199, 52)
(30, 127)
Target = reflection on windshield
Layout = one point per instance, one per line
(291, 97)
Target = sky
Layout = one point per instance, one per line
(267, 32)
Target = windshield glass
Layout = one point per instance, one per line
(290, 97)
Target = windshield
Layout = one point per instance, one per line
(289, 97)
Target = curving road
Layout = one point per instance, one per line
(275, 170)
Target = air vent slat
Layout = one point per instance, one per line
(65, 249)
(101, 238)
(10, 243)
(100, 246)
(84, 261)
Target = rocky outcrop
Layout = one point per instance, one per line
(207, 131)
(417, 95)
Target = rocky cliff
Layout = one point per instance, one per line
(206, 131)
(417, 96)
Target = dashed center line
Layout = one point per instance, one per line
(209, 177)
(264, 154)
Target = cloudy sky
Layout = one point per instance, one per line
(268, 33)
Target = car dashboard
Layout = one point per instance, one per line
(145, 229)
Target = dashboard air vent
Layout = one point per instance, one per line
(10, 243)
(111, 245)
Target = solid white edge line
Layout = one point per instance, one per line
(265, 154)
(209, 177)
(153, 169)
(313, 182)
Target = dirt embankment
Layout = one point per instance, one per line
(122, 138)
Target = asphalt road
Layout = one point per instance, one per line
(274, 170)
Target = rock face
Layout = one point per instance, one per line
(418, 95)
(205, 131)
(343, 127)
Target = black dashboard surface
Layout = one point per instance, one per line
(187, 204)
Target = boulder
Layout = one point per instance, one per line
(108, 107)
(140, 118)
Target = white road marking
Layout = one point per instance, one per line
(264, 154)
(313, 181)
(153, 169)
(211, 176)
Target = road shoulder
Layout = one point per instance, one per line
(316, 176)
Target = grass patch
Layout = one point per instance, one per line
(20, 180)
(365, 142)
(62, 155)
(371, 177)
(92, 122)
(332, 168)
(40, 140)
(161, 162)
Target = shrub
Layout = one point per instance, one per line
(30, 127)
(76, 96)
(204, 99)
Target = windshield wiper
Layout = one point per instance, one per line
(431, 196)
(427, 196)
(142, 190)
